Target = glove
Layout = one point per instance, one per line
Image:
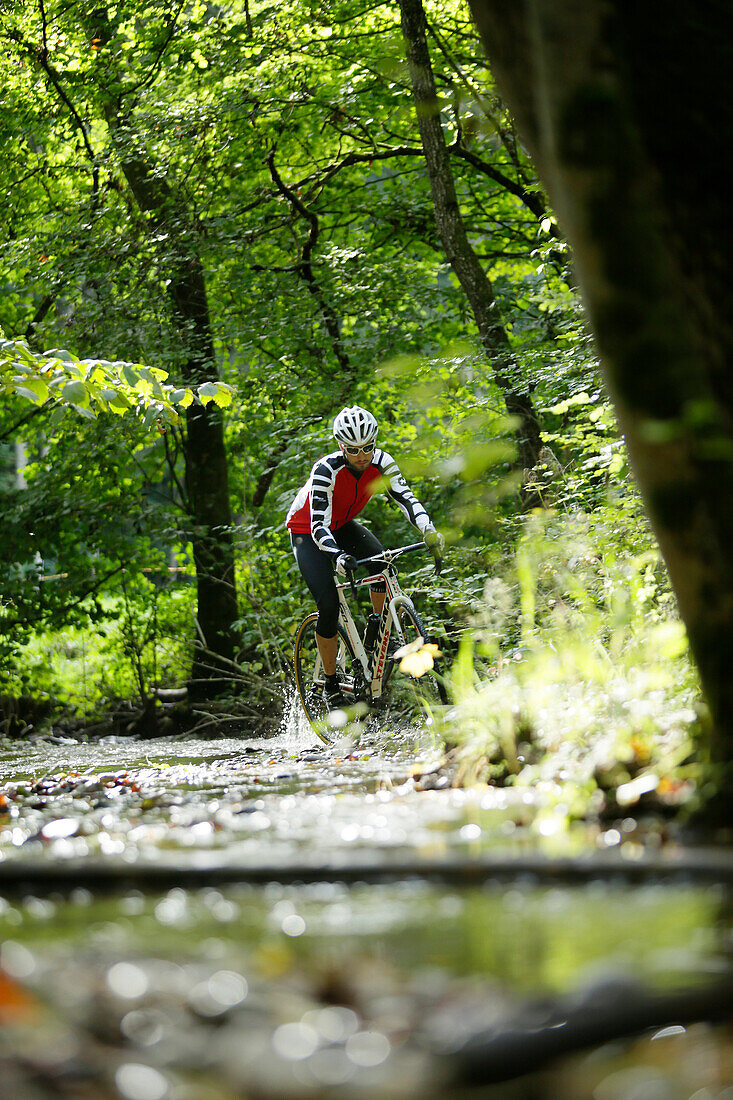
(345, 564)
(433, 540)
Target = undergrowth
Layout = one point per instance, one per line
(595, 703)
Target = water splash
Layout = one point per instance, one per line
(295, 732)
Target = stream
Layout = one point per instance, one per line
(211, 919)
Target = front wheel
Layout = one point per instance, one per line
(309, 676)
(419, 682)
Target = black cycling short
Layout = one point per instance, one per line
(317, 568)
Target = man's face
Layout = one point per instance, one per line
(358, 458)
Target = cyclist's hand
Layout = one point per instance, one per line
(433, 539)
(434, 542)
(345, 564)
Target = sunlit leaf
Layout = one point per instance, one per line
(417, 661)
(183, 397)
(119, 402)
(60, 353)
(34, 389)
(223, 396)
(570, 402)
(208, 391)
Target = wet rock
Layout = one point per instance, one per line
(60, 828)
(432, 781)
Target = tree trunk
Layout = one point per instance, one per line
(207, 486)
(458, 249)
(207, 476)
(624, 109)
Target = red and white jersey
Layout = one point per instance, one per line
(334, 494)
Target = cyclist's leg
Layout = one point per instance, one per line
(316, 567)
(354, 538)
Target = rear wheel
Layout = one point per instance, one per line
(420, 682)
(309, 677)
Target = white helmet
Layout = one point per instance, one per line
(355, 427)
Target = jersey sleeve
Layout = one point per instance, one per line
(321, 502)
(401, 493)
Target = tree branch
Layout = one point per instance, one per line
(170, 459)
(305, 267)
(155, 67)
(40, 55)
(39, 315)
(8, 432)
(458, 248)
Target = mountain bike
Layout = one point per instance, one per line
(394, 650)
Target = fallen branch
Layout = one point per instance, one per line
(19, 877)
(607, 1011)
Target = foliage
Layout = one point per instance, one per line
(139, 644)
(94, 386)
(280, 154)
(576, 676)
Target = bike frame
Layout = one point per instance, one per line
(374, 667)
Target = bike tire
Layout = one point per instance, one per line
(428, 690)
(309, 677)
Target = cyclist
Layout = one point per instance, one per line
(325, 535)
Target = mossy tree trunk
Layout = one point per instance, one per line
(625, 109)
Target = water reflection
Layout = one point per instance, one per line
(323, 985)
(540, 938)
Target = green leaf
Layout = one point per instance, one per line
(152, 382)
(23, 352)
(131, 377)
(563, 406)
(169, 415)
(75, 393)
(224, 396)
(29, 394)
(57, 416)
(60, 353)
(182, 397)
(218, 392)
(39, 387)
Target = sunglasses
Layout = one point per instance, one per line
(352, 452)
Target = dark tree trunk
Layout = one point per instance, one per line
(625, 108)
(207, 483)
(458, 249)
(207, 487)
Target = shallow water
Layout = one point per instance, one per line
(194, 985)
(283, 800)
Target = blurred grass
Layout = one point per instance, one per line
(596, 687)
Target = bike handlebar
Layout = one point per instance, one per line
(390, 555)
